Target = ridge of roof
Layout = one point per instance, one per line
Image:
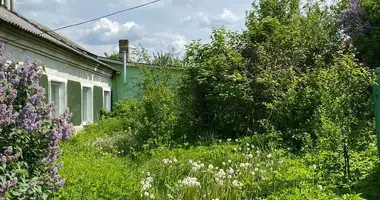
(46, 33)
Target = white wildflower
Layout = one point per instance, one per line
(175, 160)
(149, 179)
(230, 170)
(220, 141)
(256, 169)
(253, 173)
(210, 167)
(194, 169)
(165, 161)
(220, 174)
(269, 155)
(223, 163)
(228, 139)
(191, 161)
(146, 194)
(151, 196)
(229, 161)
(247, 145)
(250, 155)
(236, 184)
(190, 182)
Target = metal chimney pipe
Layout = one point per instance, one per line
(12, 5)
(124, 53)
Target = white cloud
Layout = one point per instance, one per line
(203, 20)
(164, 41)
(106, 31)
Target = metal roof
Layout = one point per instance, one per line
(40, 30)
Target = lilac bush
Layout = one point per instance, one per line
(29, 135)
(351, 19)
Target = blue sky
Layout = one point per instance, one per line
(158, 27)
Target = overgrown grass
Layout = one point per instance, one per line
(224, 170)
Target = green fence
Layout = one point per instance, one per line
(376, 100)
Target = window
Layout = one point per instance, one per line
(107, 101)
(57, 97)
(87, 105)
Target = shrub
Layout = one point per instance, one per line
(150, 121)
(29, 135)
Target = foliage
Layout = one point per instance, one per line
(158, 59)
(361, 22)
(216, 97)
(91, 173)
(29, 135)
(113, 55)
(229, 169)
(149, 121)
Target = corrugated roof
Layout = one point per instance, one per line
(40, 30)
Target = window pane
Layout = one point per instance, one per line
(85, 104)
(55, 93)
(107, 100)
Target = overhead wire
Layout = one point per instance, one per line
(91, 20)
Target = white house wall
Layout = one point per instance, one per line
(60, 64)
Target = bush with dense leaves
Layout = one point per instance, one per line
(148, 121)
(29, 136)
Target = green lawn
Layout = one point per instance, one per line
(224, 170)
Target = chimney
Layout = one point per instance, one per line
(124, 54)
(12, 5)
(124, 47)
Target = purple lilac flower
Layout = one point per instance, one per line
(20, 82)
(7, 185)
(7, 114)
(3, 159)
(28, 118)
(37, 99)
(8, 151)
(352, 19)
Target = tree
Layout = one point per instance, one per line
(361, 22)
(113, 55)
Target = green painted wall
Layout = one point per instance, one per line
(135, 77)
(74, 101)
(44, 82)
(98, 102)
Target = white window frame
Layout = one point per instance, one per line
(108, 106)
(91, 106)
(62, 92)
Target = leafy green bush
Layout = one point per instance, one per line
(29, 135)
(149, 122)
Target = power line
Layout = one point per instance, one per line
(108, 15)
(94, 19)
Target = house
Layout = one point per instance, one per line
(74, 77)
(129, 82)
